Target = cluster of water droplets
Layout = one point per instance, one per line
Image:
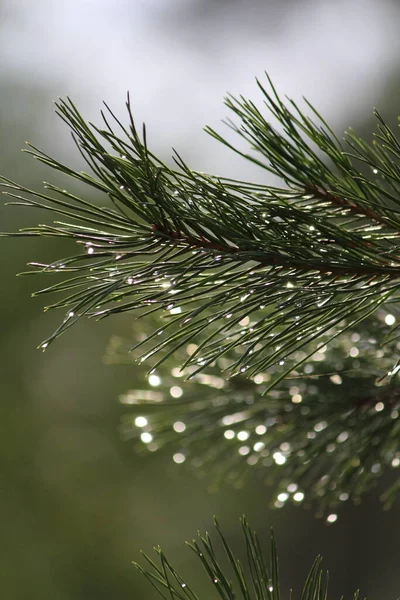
(249, 438)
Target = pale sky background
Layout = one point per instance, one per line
(178, 69)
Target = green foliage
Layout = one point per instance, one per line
(291, 292)
(324, 435)
(307, 257)
(251, 582)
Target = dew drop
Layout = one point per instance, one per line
(390, 319)
(298, 497)
(331, 518)
(179, 458)
(283, 496)
(154, 380)
(140, 421)
(279, 458)
(260, 429)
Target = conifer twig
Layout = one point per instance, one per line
(254, 581)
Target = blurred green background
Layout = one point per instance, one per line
(76, 503)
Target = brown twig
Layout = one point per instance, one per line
(354, 209)
(286, 262)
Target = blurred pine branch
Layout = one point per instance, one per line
(248, 582)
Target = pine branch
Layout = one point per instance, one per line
(256, 281)
(301, 259)
(323, 435)
(252, 582)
